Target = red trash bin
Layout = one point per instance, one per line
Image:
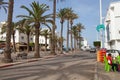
(102, 54)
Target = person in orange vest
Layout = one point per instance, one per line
(110, 62)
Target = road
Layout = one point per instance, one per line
(76, 66)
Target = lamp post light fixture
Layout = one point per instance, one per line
(101, 33)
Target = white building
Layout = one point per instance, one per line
(2, 36)
(19, 37)
(42, 39)
(84, 44)
(112, 26)
(22, 38)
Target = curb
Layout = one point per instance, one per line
(30, 60)
(26, 61)
(6, 65)
(9, 64)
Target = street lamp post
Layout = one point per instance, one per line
(100, 11)
(101, 22)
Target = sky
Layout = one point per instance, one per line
(87, 10)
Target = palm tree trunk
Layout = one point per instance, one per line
(79, 40)
(37, 55)
(45, 43)
(61, 46)
(74, 43)
(50, 42)
(67, 45)
(7, 54)
(53, 29)
(14, 47)
(27, 43)
(71, 39)
(77, 43)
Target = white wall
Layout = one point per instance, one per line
(113, 20)
(18, 36)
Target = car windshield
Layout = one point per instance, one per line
(112, 51)
(1, 49)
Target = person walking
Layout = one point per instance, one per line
(118, 61)
(111, 62)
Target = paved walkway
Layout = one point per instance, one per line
(100, 73)
(30, 58)
(103, 75)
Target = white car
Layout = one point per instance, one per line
(1, 51)
(92, 50)
(85, 48)
(113, 52)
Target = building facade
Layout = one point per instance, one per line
(84, 44)
(22, 38)
(19, 37)
(42, 40)
(112, 26)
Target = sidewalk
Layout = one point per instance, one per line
(30, 58)
(103, 75)
(100, 73)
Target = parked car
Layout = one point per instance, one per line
(113, 52)
(85, 48)
(92, 50)
(1, 51)
(66, 50)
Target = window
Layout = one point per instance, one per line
(31, 39)
(22, 37)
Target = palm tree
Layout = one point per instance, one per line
(7, 54)
(61, 14)
(79, 29)
(45, 33)
(37, 17)
(13, 29)
(69, 12)
(54, 27)
(3, 5)
(73, 16)
(26, 28)
(75, 34)
(59, 41)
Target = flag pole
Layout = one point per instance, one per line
(100, 11)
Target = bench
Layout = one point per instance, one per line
(21, 55)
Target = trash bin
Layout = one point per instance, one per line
(100, 55)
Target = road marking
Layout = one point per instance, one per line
(96, 72)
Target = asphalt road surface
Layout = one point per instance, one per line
(76, 66)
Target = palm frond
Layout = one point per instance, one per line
(4, 7)
(30, 11)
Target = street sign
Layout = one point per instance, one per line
(99, 27)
